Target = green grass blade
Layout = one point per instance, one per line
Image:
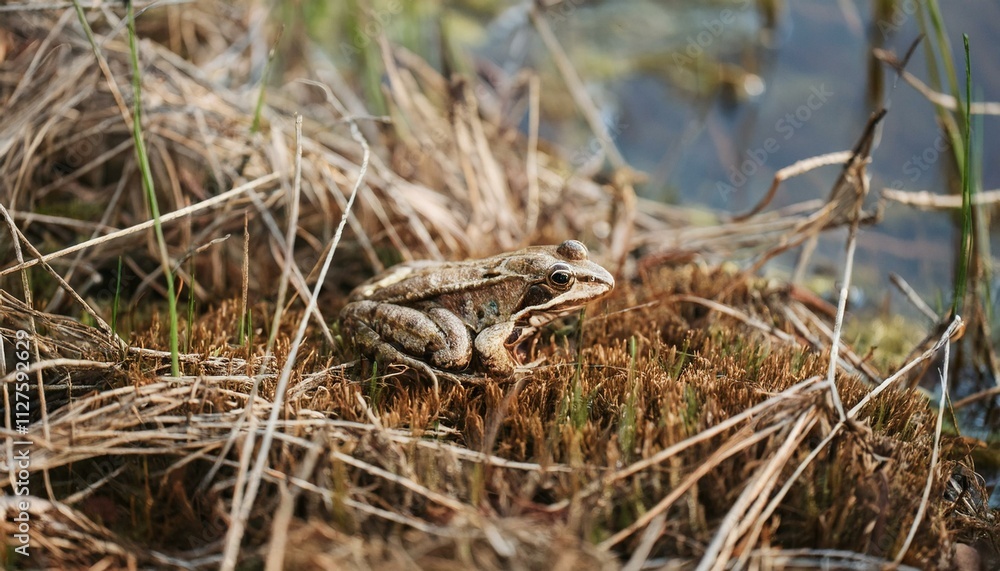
(118, 291)
(937, 38)
(190, 310)
(259, 108)
(958, 300)
(148, 187)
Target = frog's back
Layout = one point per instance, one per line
(410, 283)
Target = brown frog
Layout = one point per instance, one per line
(446, 318)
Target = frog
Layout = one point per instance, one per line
(464, 319)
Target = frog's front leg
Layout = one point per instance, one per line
(417, 338)
(491, 347)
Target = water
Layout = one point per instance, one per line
(800, 89)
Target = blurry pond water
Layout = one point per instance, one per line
(800, 87)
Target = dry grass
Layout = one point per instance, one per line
(685, 422)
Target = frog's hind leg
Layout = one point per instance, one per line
(436, 336)
(368, 338)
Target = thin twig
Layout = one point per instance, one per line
(913, 296)
(845, 290)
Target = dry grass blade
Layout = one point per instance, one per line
(932, 200)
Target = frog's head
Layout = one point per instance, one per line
(559, 280)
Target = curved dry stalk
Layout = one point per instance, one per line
(793, 170)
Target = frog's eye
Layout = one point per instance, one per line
(561, 276)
